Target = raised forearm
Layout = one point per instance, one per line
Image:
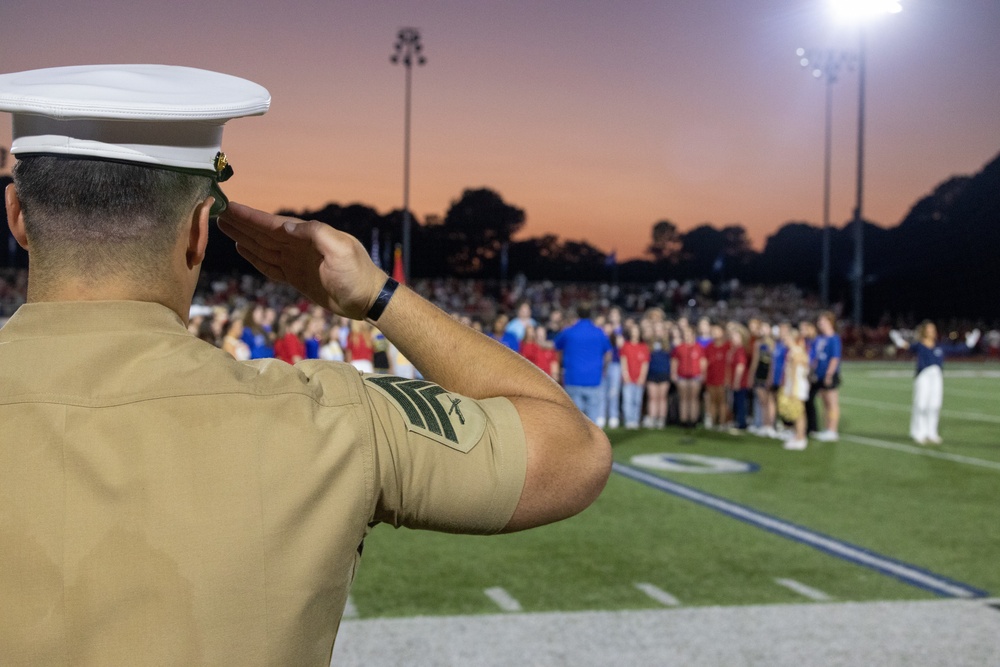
(461, 359)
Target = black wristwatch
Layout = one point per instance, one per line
(382, 301)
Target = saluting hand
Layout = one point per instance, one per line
(328, 266)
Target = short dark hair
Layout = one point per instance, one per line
(90, 212)
(584, 311)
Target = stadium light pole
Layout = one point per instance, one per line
(826, 65)
(408, 50)
(861, 12)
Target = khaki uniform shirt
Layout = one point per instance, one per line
(162, 503)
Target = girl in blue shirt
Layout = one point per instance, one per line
(826, 368)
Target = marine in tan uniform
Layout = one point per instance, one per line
(162, 503)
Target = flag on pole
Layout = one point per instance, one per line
(376, 255)
(397, 265)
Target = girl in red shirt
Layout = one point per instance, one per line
(360, 351)
(541, 352)
(687, 370)
(716, 356)
(290, 347)
(635, 366)
(738, 375)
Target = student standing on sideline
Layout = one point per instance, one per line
(585, 352)
(807, 334)
(760, 375)
(737, 373)
(289, 347)
(794, 388)
(716, 356)
(687, 370)
(359, 351)
(162, 502)
(658, 377)
(928, 386)
(520, 325)
(546, 355)
(777, 369)
(635, 367)
(827, 371)
(611, 384)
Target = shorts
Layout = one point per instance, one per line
(689, 381)
(834, 382)
(657, 378)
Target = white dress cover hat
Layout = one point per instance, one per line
(160, 116)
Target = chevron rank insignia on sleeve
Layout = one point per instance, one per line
(430, 410)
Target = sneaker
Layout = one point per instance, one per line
(601, 422)
(827, 436)
(920, 441)
(613, 422)
(647, 422)
(795, 444)
(631, 426)
(934, 440)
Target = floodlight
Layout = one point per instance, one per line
(861, 10)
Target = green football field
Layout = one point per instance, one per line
(872, 517)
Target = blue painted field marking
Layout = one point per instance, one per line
(909, 574)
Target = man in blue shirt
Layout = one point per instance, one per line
(585, 352)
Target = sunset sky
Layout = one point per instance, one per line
(597, 118)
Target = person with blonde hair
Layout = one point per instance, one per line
(794, 388)
(233, 343)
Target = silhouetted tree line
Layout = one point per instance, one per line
(940, 261)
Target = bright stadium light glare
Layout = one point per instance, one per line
(861, 10)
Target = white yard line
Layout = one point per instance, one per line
(503, 599)
(658, 594)
(803, 590)
(907, 389)
(920, 451)
(884, 405)
(957, 373)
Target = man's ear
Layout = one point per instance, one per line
(198, 233)
(15, 219)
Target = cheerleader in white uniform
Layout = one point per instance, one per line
(928, 388)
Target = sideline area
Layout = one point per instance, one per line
(955, 633)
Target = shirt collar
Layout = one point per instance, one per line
(59, 318)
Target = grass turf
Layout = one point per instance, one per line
(936, 514)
